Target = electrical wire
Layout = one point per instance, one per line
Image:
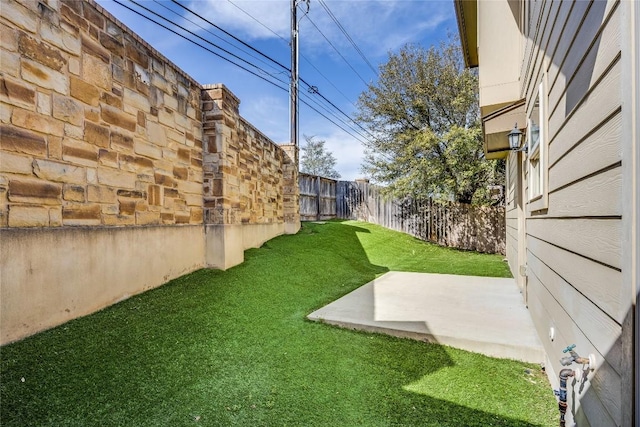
(250, 71)
(233, 37)
(336, 49)
(346, 131)
(344, 31)
(307, 84)
(258, 21)
(201, 46)
(201, 38)
(212, 33)
(266, 56)
(329, 111)
(302, 55)
(317, 92)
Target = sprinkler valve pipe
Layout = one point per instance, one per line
(562, 393)
(588, 363)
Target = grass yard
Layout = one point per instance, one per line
(233, 348)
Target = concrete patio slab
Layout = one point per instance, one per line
(481, 314)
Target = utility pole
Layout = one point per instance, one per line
(293, 88)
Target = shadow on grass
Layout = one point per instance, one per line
(232, 348)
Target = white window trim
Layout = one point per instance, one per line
(539, 200)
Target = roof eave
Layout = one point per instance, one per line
(467, 17)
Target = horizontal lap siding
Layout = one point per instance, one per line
(600, 330)
(547, 312)
(574, 247)
(511, 214)
(554, 22)
(538, 23)
(597, 195)
(597, 151)
(593, 238)
(512, 245)
(596, 282)
(600, 102)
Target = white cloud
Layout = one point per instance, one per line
(236, 16)
(269, 114)
(347, 151)
(376, 26)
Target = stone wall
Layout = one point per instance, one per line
(291, 191)
(242, 167)
(97, 127)
(247, 181)
(102, 190)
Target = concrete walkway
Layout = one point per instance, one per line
(480, 314)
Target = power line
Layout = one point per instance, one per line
(232, 36)
(328, 80)
(264, 55)
(337, 51)
(210, 32)
(317, 92)
(258, 21)
(201, 38)
(246, 44)
(334, 114)
(301, 79)
(346, 131)
(344, 31)
(203, 47)
(246, 69)
(303, 57)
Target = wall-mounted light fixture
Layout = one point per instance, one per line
(515, 138)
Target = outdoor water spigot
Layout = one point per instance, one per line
(588, 362)
(568, 360)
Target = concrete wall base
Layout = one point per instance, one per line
(292, 227)
(51, 275)
(226, 243)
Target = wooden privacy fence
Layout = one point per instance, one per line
(457, 225)
(317, 197)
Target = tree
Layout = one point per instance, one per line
(316, 160)
(426, 136)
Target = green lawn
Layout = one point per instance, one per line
(234, 349)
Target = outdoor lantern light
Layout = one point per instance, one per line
(515, 136)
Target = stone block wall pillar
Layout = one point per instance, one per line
(250, 186)
(222, 239)
(291, 189)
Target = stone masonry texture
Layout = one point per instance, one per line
(243, 169)
(97, 128)
(104, 143)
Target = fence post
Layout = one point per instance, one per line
(449, 224)
(430, 232)
(318, 198)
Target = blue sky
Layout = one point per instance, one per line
(376, 27)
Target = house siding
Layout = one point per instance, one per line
(512, 215)
(574, 252)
